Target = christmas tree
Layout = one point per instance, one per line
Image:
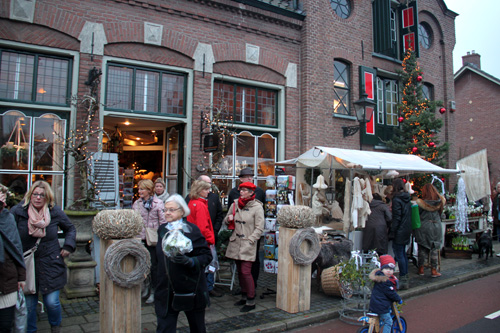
(418, 128)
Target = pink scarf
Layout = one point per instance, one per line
(37, 221)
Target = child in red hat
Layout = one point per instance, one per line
(384, 291)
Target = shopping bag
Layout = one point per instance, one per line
(415, 217)
(29, 262)
(20, 314)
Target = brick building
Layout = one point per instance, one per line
(477, 106)
(288, 73)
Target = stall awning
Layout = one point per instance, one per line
(339, 158)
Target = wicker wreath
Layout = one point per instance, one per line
(114, 256)
(117, 224)
(298, 256)
(295, 217)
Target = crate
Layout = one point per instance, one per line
(449, 253)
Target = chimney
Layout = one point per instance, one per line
(472, 59)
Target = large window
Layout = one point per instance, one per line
(34, 78)
(246, 104)
(395, 27)
(387, 101)
(341, 87)
(30, 149)
(425, 35)
(130, 88)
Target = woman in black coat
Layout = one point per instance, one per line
(38, 217)
(184, 273)
(376, 230)
(401, 229)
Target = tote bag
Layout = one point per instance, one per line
(29, 262)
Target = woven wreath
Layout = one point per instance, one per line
(117, 224)
(114, 256)
(299, 257)
(295, 217)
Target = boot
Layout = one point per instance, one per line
(55, 329)
(435, 273)
(242, 301)
(404, 282)
(421, 271)
(249, 306)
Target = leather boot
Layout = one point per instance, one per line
(435, 273)
(421, 270)
(404, 282)
(55, 329)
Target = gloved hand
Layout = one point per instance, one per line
(183, 259)
(401, 301)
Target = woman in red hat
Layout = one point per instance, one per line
(249, 224)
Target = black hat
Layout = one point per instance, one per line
(246, 172)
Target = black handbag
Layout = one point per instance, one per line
(182, 302)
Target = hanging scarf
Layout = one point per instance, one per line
(38, 220)
(148, 203)
(242, 202)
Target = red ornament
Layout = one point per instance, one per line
(432, 144)
(419, 78)
(414, 149)
(442, 110)
(400, 119)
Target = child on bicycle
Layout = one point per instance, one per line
(384, 291)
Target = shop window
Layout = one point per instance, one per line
(341, 87)
(395, 27)
(31, 149)
(130, 88)
(246, 104)
(34, 78)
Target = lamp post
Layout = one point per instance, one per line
(364, 112)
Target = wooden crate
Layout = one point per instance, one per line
(449, 253)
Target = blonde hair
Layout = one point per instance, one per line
(197, 187)
(49, 194)
(159, 180)
(146, 184)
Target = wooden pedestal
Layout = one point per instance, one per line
(293, 292)
(120, 308)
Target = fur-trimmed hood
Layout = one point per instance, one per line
(378, 278)
(432, 205)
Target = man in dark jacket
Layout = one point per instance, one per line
(401, 228)
(246, 175)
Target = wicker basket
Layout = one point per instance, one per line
(330, 281)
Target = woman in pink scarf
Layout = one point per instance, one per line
(38, 218)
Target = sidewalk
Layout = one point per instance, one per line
(82, 314)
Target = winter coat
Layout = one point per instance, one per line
(215, 210)
(201, 217)
(152, 218)
(495, 209)
(50, 269)
(249, 226)
(383, 294)
(429, 235)
(11, 256)
(376, 229)
(184, 279)
(401, 218)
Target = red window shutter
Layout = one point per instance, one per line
(367, 85)
(408, 17)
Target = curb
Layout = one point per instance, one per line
(333, 313)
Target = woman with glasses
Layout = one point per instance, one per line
(249, 224)
(152, 212)
(38, 219)
(183, 273)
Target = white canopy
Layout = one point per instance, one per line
(338, 158)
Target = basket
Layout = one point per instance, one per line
(330, 281)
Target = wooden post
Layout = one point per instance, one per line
(293, 292)
(120, 308)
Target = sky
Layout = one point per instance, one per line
(476, 28)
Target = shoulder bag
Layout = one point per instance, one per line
(182, 302)
(151, 236)
(29, 262)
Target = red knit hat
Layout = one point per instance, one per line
(248, 185)
(386, 261)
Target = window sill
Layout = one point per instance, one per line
(382, 56)
(344, 116)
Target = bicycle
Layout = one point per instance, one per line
(371, 322)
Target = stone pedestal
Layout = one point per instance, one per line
(81, 266)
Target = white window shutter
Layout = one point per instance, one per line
(105, 172)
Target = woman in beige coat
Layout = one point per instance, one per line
(248, 217)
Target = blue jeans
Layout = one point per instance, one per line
(401, 258)
(210, 281)
(386, 321)
(52, 307)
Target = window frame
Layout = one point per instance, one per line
(348, 89)
(339, 6)
(429, 35)
(132, 102)
(35, 76)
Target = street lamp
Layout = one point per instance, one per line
(364, 112)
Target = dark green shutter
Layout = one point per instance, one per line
(381, 27)
(368, 84)
(410, 31)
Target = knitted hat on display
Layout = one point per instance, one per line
(248, 185)
(386, 261)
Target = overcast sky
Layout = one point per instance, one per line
(476, 28)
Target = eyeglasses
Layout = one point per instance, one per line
(38, 195)
(171, 210)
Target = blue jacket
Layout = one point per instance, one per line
(383, 293)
